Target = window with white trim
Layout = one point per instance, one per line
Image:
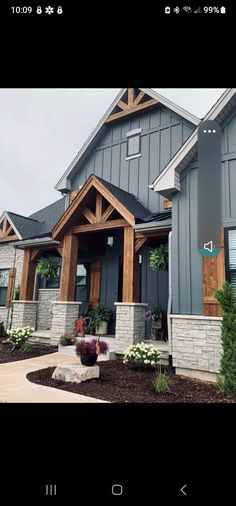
(134, 143)
(4, 275)
(232, 258)
(133, 146)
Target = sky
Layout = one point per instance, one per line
(42, 130)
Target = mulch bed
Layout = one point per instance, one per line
(37, 350)
(120, 383)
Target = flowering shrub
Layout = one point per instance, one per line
(19, 337)
(141, 353)
(153, 315)
(92, 347)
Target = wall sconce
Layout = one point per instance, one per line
(110, 240)
(140, 259)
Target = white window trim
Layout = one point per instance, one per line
(133, 156)
(137, 131)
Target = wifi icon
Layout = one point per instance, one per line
(187, 9)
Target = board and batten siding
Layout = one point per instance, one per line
(163, 132)
(187, 264)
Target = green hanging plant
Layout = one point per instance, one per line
(159, 258)
(48, 268)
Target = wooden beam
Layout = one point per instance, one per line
(69, 267)
(27, 277)
(130, 96)
(60, 249)
(98, 212)
(75, 206)
(128, 265)
(140, 243)
(35, 253)
(4, 227)
(78, 229)
(139, 97)
(9, 229)
(167, 204)
(9, 238)
(95, 281)
(11, 286)
(131, 110)
(107, 213)
(89, 215)
(122, 105)
(152, 233)
(136, 285)
(213, 278)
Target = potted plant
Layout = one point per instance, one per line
(47, 267)
(67, 340)
(159, 258)
(100, 317)
(88, 351)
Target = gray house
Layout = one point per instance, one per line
(131, 188)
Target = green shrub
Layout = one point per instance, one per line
(19, 337)
(159, 258)
(227, 376)
(161, 383)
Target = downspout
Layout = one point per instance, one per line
(10, 308)
(169, 307)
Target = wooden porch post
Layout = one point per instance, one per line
(130, 268)
(69, 266)
(28, 276)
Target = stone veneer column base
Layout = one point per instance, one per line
(24, 313)
(130, 324)
(196, 345)
(63, 319)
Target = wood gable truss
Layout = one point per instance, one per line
(132, 102)
(8, 231)
(94, 208)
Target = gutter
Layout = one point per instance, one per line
(45, 241)
(153, 225)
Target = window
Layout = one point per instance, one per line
(134, 143)
(232, 258)
(4, 274)
(133, 147)
(83, 282)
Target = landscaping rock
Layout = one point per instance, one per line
(75, 372)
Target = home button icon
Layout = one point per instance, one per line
(117, 489)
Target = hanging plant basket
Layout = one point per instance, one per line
(48, 268)
(159, 258)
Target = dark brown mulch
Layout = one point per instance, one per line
(17, 354)
(119, 383)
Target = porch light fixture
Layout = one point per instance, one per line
(110, 240)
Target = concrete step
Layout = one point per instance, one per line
(41, 337)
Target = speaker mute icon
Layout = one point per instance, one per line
(50, 490)
(209, 246)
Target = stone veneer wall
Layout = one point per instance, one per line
(7, 253)
(63, 319)
(130, 324)
(24, 313)
(196, 345)
(45, 308)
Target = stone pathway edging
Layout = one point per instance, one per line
(14, 386)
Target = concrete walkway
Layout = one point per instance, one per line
(14, 387)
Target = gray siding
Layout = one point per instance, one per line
(163, 132)
(187, 262)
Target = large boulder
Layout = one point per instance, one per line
(75, 372)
